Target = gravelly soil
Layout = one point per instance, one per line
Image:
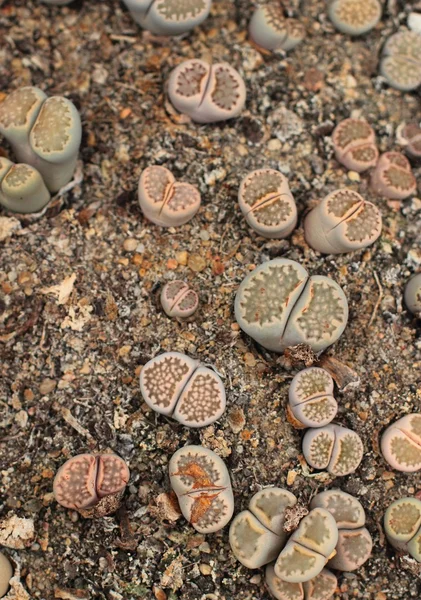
(69, 372)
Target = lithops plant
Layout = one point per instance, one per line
(413, 294)
(270, 29)
(22, 189)
(402, 525)
(393, 177)
(169, 17)
(401, 60)
(311, 398)
(267, 203)
(321, 587)
(6, 574)
(175, 385)
(178, 299)
(165, 201)
(91, 484)
(202, 484)
(207, 93)
(355, 17)
(44, 132)
(401, 443)
(342, 222)
(57, 2)
(337, 449)
(354, 142)
(411, 134)
(354, 540)
(279, 305)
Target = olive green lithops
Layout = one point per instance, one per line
(311, 397)
(270, 29)
(402, 525)
(401, 443)
(22, 189)
(321, 587)
(413, 294)
(6, 574)
(169, 17)
(178, 299)
(400, 64)
(354, 142)
(393, 177)
(355, 17)
(337, 449)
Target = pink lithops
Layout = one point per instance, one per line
(401, 443)
(337, 449)
(178, 299)
(311, 397)
(207, 93)
(178, 386)
(411, 135)
(89, 481)
(168, 17)
(342, 222)
(321, 587)
(165, 201)
(402, 524)
(413, 294)
(202, 484)
(267, 203)
(393, 177)
(354, 143)
(270, 29)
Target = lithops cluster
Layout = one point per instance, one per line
(337, 449)
(202, 484)
(411, 133)
(393, 176)
(354, 142)
(321, 587)
(401, 60)
(354, 540)
(279, 305)
(165, 201)
(342, 222)
(402, 524)
(44, 133)
(401, 443)
(311, 398)
(168, 17)
(178, 386)
(413, 294)
(91, 484)
(178, 299)
(270, 29)
(355, 17)
(22, 188)
(6, 573)
(207, 93)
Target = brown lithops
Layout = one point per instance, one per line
(402, 524)
(401, 443)
(393, 177)
(337, 449)
(321, 587)
(311, 397)
(178, 299)
(354, 143)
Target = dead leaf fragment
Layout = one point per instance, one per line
(63, 290)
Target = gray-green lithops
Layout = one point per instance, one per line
(270, 29)
(22, 189)
(6, 573)
(401, 60)
(178, 299)
(354, 143)
(401, 443)
(279, 305)
(412, 294)
(321, 587)
(337, 449)
(169, 17)
(393, 177)
(355, 17)
(402, 524)
(311, 397)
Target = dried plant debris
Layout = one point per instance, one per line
(16, 532)
(311, 397)
(354, 142)
(401, 443)
(337, 449)
(279, 305)
(271, 30)
(178, 299)
(207, 93)
(402, 524)
(400, 64)
(203, 487)
(411, 134)
(393, 177)
(267, 203)
(175, 385)
(342, 222)
(6, 574)
(413, 294)
(169, 17)
(321, 587)
(22, 188)
(355, 17)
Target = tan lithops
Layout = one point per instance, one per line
(311, 397)
(267, 203)
(321, 587)
(412, 294)
(202, 484)
(355, 17)
(400, 64)
(411, 136)
(178, 299)
(402, 524)
(354, 142)
(22, 189)
(175, 385)
(393, 177)
(168, 17)
(401, 443)
(165, 201)
(271, 30)
(342, 222)
(337, 449)
(6, 574)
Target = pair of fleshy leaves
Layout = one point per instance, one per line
(22, 188)
(174, 384)
(413, 294)
(411, 134)
(401, 60)
(342, 222)
(271, 30)
(202, 484)
(178, 299)
(401, 443)
(169, 17)
(267, 203)
(337, 449)
(207, 93)
(321, 587)
(280, 305)
(165, 201)
(402, 524)
(393, 177)
(355, 146)
(311, 397)
(355, 17)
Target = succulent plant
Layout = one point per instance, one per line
(178, 299)
(91, 484)
(270, 29)
(279, 305)
(22, 189)
(355, 17)
(401, 60)
(337, 449)
(175, 385)
(321, 587)
(354, 142)
(267, 203)
(393, 177)
(44, 132)
(165, 201)
(402, 524)
(413, 294)
(169, 17)
(401, 443)
(343, 221)
(311, 397)
(202, 484)
(412, 134)
(207, 93)
(6, 573)
(57, 2)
